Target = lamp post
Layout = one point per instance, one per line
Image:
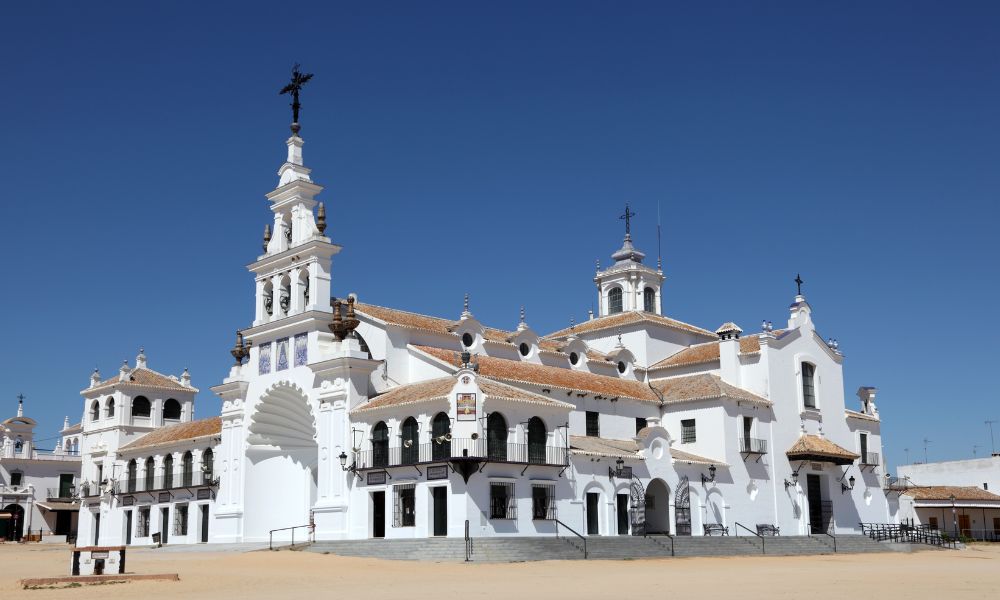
(954, 515)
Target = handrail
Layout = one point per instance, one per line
(468, 543)
(832, 537)
(646, 535)
(574, 532)
(739, 526)
(270, 534)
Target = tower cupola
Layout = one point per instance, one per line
(628, 284)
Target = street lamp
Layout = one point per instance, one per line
(954, 515)
(795, 480)
(711, 475)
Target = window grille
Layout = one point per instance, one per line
(181, 519)
(593, 424)
(688, 433)
(808, 385)
(614, 301)
(404, 509)
(543, 501)
(503, 504)
(142, 530)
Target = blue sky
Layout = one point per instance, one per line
(489, 149)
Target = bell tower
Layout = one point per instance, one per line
(628, 285)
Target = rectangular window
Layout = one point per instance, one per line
(593, 424)
(640, 424)
(864, 448)
(543, 501)
(264, 359)
(932, 522)
(404, 505)
(502, 502)
(688, 435)
(181, 519)
(142, 528)
(996, 525)
(15, 479)
(808, 385)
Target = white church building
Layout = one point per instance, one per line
(365, 421)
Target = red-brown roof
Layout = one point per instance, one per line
(438, 389)
(944, 493)
(542, 375)
(144, 377)
(628, 318)
(820, 449)
(703, 386)
(177, 433)
(704, 353)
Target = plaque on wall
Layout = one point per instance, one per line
(465, 407)
(164, 496)
(128, 500)
(376, 477)
(437, 472)
(204, 494)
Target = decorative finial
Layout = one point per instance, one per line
(798, 283)
(321, 218)
(186, 378)
(598, 265)
(299, 79)
(522, 315)
(239, 351)
(465, 307)
(267, 235)
(20, 405)
(140, 360)
(572, 323)
(628, 220)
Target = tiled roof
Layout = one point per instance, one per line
(628, 318)
(703, 353)
(177, 433)
(944, 492)
(437, 389)
(853, 414)
(73, 428)
(694, 459)
(144, 377)
(820, 449)
(704, 386)
(513, 371)
(596, 446)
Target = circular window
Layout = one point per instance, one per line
(574, 358)
(466, 339)
(524, 348)
(621, 366)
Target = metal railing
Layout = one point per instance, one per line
(829, 535)
(870, 458)
(574, 532)
(981, 535)
(270, 534)
(913, 534)
(468, 543)
(128, 485)
(39, 454)
(430, 452)
(897, 483)
(763, 549)
(749, 445)
(652, 537)
(53, 493)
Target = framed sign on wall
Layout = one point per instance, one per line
(465, 407)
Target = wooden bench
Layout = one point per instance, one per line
(715, 529)
(767, 529)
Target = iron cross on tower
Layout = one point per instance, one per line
(299, 79)
(798, 283)
(628, 219)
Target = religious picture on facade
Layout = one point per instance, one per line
(465, 406)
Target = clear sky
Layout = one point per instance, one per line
(489, 148)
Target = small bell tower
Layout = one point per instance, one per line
(628, 285)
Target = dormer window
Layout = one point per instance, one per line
(808, 385)
(524, 349)
(467, 339)
(614, 300)
(622, 367)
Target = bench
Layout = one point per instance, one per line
(715, 529)
(766, 529)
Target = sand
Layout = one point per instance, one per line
(969, 573)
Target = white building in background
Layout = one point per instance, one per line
(37, 486)
(367, 421)
(952, 496)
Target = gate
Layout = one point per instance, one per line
(638, 496)
(682, 507)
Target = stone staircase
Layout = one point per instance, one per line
(514, 549)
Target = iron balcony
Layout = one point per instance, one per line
(456, 449)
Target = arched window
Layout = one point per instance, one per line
(614, 300)
(809, 385)
(207, 465)
(140, 407)
(95, 411)
(649, 300)
(496, 437)
(380, 445)
(187, 469)
(130, 473)
(536, 441)
(150, 478)
(268, 295)
(18, 445)
(109, 410)
(171, 410)
(168, 471)
(441, 436)
(408, 440)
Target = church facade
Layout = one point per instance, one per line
(363, 421)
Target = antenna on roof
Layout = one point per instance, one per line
(926, 442)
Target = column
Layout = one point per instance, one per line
(328, 452)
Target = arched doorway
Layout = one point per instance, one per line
(657, 507)
(12, 527)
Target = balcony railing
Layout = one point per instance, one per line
(529, 454)
(870, 459)
(54, 493)
(39, 454)
(129, 485)
(749, 445)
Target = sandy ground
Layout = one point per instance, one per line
(970, 573)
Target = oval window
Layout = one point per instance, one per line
(466, 339)
(621, 366)
(574, 358)
(524, 349)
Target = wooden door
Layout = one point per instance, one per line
(964, 525)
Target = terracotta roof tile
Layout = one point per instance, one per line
(628, 318)
(596, 446)
(177, 433)
(820, 449)
(703, 353)
(704, 386)
(694, 459)
(143, 377)
(543, 375)
(944, 492)
(437, 389)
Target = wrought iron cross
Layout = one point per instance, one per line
(798, 283)
(299, 79)
(20, 397)
(628, 218)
